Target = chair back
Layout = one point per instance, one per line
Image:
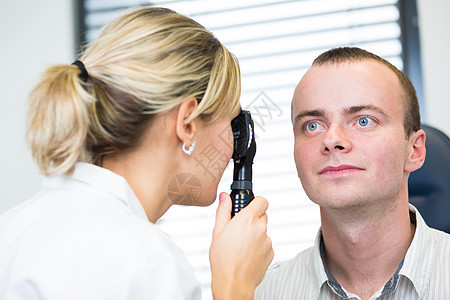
(429, 187)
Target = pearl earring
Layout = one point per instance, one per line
(190, 150)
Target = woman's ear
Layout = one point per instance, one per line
(185, 130)
(417, 151)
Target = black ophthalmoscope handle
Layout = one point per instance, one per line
(240, 199)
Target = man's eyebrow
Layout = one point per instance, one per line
(308, 113)
(356, 109)
(346, 111)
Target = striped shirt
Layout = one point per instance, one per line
(423, 274)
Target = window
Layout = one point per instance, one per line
(275, 42)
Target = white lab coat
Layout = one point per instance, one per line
(87, 237)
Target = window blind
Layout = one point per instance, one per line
(275, 42)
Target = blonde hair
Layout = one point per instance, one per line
(144, 63)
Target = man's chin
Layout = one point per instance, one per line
(337, 201)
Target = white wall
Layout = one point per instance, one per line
(36, 34)
(434, 21)
(33, 35)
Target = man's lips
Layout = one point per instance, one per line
(339, 170)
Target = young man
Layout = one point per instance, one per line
(357, 138)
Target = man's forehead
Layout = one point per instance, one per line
(357, 75)
(358, 83)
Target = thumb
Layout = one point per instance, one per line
(223, 213)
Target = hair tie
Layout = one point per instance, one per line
(84, 74)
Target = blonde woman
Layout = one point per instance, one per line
(112, 133)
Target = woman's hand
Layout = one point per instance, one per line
(240, 251)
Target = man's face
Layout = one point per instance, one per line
(350, 145)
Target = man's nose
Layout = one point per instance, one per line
(336, 139)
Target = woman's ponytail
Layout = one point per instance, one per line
(58, 120)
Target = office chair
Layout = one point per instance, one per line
(429, 187)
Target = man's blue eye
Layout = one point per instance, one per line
(363, 121)
(312, 126)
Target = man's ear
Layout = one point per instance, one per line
(417, 152)
(186, 130)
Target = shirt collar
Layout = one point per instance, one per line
(416, 265)
(106, 181)
(419, 258)
(320, 275)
